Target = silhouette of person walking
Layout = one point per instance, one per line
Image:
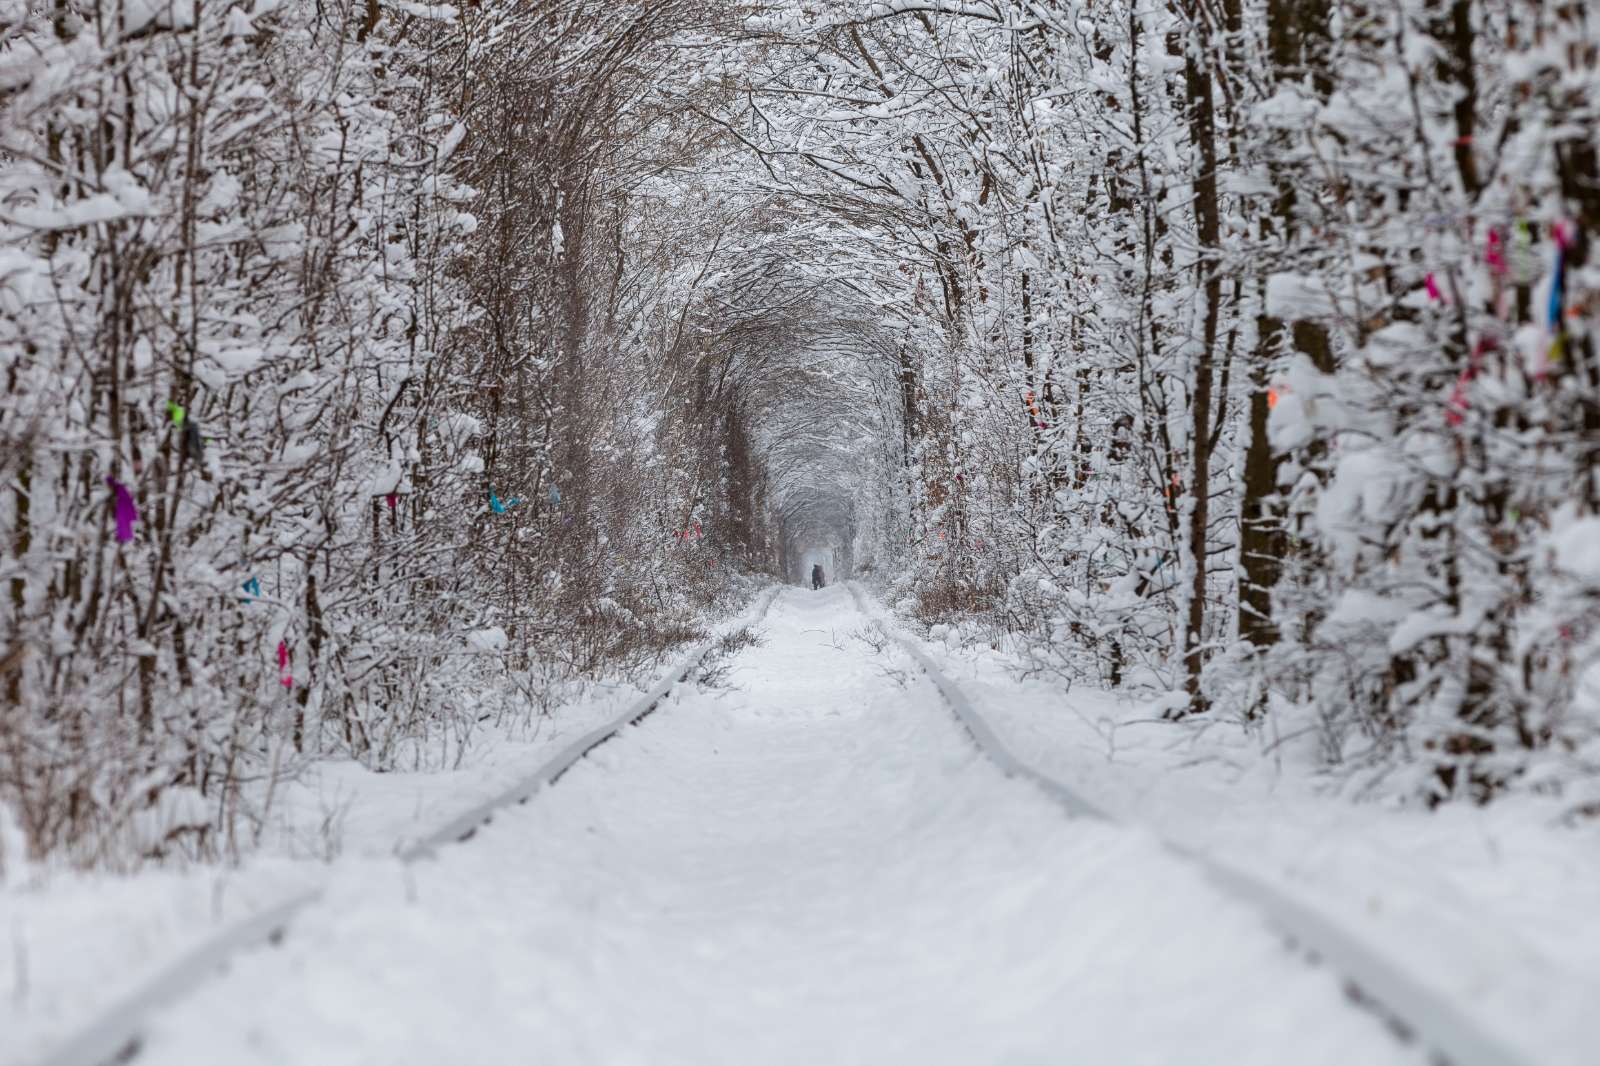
(816, 576)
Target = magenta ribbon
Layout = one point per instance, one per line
(1495, 254)
(1433, 290)
(283, 664)
(127, 512)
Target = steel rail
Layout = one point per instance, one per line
(1378, 983)
(116, 1035)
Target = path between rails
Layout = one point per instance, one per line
(812, 865)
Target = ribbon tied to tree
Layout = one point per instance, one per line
(188, 431)
(1033, 410)
(1494, 253)
(127, 512)
(1558, 284)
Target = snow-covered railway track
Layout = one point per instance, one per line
(116, 1036)
(1374, 981)
(803, 867)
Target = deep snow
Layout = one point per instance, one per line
(813, 865)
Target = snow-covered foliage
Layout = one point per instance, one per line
(332, 350)
(363, 359)
(1242, 350)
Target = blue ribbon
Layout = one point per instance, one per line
(1558, 289)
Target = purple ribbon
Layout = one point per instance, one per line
(127, 513)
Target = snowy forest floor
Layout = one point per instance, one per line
(810, 862)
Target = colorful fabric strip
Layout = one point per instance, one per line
(127, 512)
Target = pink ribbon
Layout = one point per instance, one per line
(1433, 289)
(1495, 253)
(127, 512)
(287, 680)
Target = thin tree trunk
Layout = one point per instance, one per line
(1202, 129)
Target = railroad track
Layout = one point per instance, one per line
(1376, 982)
(117, 1034)
(1412, 1009)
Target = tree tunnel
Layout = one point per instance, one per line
(808, 359)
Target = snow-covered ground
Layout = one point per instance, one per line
(811, 862)
(1497, 908)
(811, 865)
(73, 944)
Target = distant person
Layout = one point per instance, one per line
(816, 577)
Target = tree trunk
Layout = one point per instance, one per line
(1202, 131)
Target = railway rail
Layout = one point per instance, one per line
(116, 1035)
(1374, 981)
